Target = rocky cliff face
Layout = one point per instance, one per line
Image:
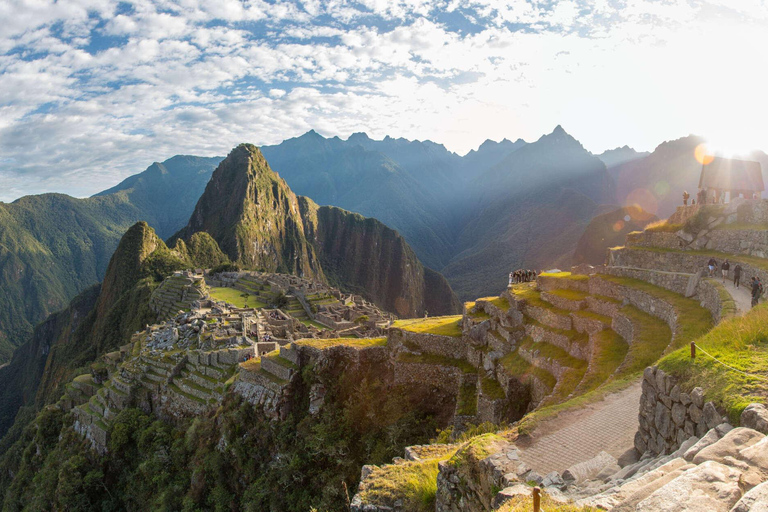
(364, 255)
(253, 215)
(260, 223)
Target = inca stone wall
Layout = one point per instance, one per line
(446, 346)
(668, 416)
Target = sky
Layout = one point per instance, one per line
(92, 91)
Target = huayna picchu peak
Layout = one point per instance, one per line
(260, 224)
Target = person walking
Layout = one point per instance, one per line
(755, 291)
(712, 264)
(725, 268)
(736, 275)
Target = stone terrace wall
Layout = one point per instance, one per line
(685, 284)
(669, 416)
(447, 346)
(448, 378)
(638, 298)
(662, 239)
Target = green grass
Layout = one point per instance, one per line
(276, 358)
(692, 320)
(515, 365)
(576, 337)
(467, 400)
(569, 294)
(533, 298)
(233, 296)
(435, 359)
(663, 227)
(740, 342)
(479, 315)
(754, 261)
(413, 482)
(525, 504)
(440, 325)
(608, 353)
(178, 390)
(566, 275)
(575, 368)
(727, 304)
(492, 389)
(652, 336)
(500, 302)
(312, 323)
(347, 342)
(594, 316)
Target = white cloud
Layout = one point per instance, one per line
(91, 91)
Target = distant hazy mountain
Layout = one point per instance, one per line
(656, 182)
(531, 210)
(617, 156)
(607, 230)
(167, 192)
(53, 246)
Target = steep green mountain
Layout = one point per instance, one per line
(253, 216)
(53, 246)
(608, 230)
(167, 191)
(260, 223)
(96, 321)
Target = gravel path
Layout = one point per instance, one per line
(741, 295)
(579, 435)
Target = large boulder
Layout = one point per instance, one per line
(729, 446)
(755, 416)
(709, 487)
(755, 500)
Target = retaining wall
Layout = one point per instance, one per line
(668, 416)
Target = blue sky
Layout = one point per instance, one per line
(94, 90)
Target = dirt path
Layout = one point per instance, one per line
(741, 295)
(579, 435)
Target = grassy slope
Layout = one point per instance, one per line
(441, 325)
(741, 343)
(235, 297)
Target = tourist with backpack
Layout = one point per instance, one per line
(725, 268)
(712, 264)
(736, 275)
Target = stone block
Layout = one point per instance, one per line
(694, 413)
(711, 416)
(663, 420)
(755, 500)
(678, 414)
(755, 416)
(728, 445)
(697, 397)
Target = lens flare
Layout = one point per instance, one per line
(703, 154)
(618, 225)
(643, 198)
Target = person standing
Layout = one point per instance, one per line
(686, 197)
(755, 291)
(736, 275)
(712, 264)
(511, 277)
(725, 268)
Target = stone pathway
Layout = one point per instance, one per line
(579, 435)
(741, 295)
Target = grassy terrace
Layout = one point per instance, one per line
(234, 297)
(435, 359)
(727, 304)
(499, 302)
(515, 365)
(569, 294)
(566, 275)
(441, 325)
(576, 368)
(740, 342)
(533, 298)
(467, 400)
(652, 338)
(415, 482)
(692, 319)
(575, 336)
(347, 342)
(761, 263)
(608, 353)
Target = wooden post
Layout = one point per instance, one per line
(536, 499)
(693, 350)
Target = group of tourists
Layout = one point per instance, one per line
(522, 276)
(267, 337)
(756, 286)
(704, 196)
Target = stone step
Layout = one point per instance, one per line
(574, 343)
(202, 380)
(154, 376)
(191, 388)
